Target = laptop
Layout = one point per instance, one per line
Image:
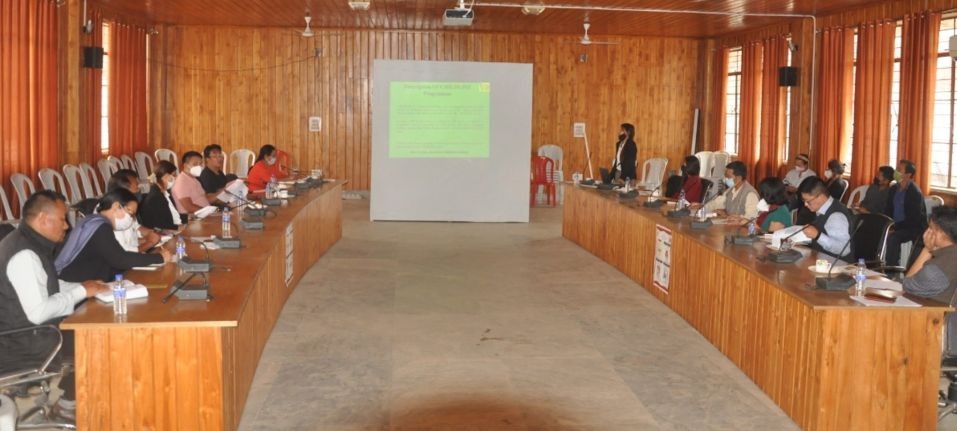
(606, 175)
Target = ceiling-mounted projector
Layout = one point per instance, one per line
(359, 4)
(458, 17)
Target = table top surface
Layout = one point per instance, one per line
(794, 278)
(230, 281)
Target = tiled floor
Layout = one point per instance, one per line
(458, 326)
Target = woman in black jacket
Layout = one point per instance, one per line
(157, 210)
(626, 154)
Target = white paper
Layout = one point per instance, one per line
(901, 302)
(883, 284)
(133, 291)
(237, 188)
(798, 238)
(205, 212)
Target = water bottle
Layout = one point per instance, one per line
(180, 248)
(119, 296)
(752, 228)
(227, 226)
(272, 186)
(681, 201)
(860, 277)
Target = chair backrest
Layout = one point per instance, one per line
(931, 202)
(720, 159)
(543, 170)
(842, 183)
(7, 214)
(241, 160)
(108, 167)
(91, 185)
(857, 196)
(24, 187)
(74, 180)
(128, 162)
(706, 160)
(870, 241)
(166, 154)
(50, 179)
(553, 152)
(653, 171)
(144, 165)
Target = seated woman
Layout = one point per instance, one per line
(690, 182)
(266, 166)
(834, 179)
(91, 252)
(773, 213)
(158, 210)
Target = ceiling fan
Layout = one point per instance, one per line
(586, 40)
(307, 32)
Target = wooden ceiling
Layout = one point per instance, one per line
(427, 15)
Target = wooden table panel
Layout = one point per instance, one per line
(829, 362)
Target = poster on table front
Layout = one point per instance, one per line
(662, 272)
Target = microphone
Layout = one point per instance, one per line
(250, 209)
(742, 239)
(186, 291)
(841, 281)
(657, 203)
(196, 265)
(785, 256)
(697, 223)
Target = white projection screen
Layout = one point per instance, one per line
(451, 141)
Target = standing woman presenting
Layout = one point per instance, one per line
(626, 154)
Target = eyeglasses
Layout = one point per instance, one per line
(807, 201)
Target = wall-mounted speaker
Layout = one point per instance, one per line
(93, 57)
(788, 76)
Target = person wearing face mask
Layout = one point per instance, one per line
(773, 212)
(266, 166)
(905, 205)
(740, 201)
(875, 198)
(32, 294)
(798, 173)
(137, 238)
(188, 193)
(834, 179)
(92, 252)
(158, 210)
(626, 154)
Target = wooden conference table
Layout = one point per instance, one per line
(188, 365)
(830, 363)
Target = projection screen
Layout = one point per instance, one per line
(451, 141)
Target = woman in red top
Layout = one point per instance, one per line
(266, 166)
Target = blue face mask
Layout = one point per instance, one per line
(728, 182)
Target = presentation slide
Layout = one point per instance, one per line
(438, 119)
(451, 141)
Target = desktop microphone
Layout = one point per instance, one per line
(250, 209)
(742, 239)
(657, 203)
(842, 281)
(698, 224)
(186, 291)
(196, 265)
(786, 256)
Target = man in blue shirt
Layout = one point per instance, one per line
(830, 232)
(906, 206)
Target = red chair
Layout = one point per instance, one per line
(543, 174)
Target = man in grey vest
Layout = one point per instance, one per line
(830, 232)
(934, 273)
(31, 294)
(740, 201)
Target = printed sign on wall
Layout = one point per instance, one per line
(662, 272)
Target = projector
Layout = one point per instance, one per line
(458, 17)
(359, 4)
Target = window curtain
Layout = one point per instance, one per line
(872, 101)
(92, 91)
(719, 87)
(834, 96)
(918, 79)
(28, 89)
(769, 157)
(127, 108)
(752, 57)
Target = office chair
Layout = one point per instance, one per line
(870, 241)
(18, 377)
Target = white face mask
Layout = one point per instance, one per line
(196, 170)
(763, 206)
(270, 161)
(169, 184)
(124, 222)
(828, 174)
(728, 182)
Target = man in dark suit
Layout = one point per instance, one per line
(626, 154)
(905, 204)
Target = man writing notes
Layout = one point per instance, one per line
(830, 232)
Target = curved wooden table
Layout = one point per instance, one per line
(829, 362)
(189, 365)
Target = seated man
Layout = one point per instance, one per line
(875, 199)
(830, 232)
(188, 193)
(798, 173)
(136, 237)
(934, 273)
(213, 178)
(31, 294)
(905, 205)
(740, 201)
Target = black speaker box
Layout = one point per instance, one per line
(788, 76)
(93, 57)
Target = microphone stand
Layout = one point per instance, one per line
(657, 203)
(697, 223)
(842, 281)
(786, 256)
(178, 287)
(742, 239)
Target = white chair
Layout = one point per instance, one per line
(857, 196)
(128, 162)
(165, 154)
(720, 160)
(91, 184)
(50, 179)
(706, 160)
(7, 213)
(241, 160)
(653, 172)
(931, 202)
(108, 167)
(24, 187)
(74, 180)
(555, 153)
(144, 165)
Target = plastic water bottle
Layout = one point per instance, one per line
(860, 277)
(273, 185)
(227, 226)
(752, 228)
(180, 248)
(119, 296)
(627, 185)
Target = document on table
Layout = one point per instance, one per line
(232, 190)
(133, 291)
(798, 238)
(901, 302)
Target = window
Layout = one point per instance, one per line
(105, 94)
(942, 157)
(733, 102)
(787, 111)
(896, 96)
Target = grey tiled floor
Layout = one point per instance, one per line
(436, 326)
